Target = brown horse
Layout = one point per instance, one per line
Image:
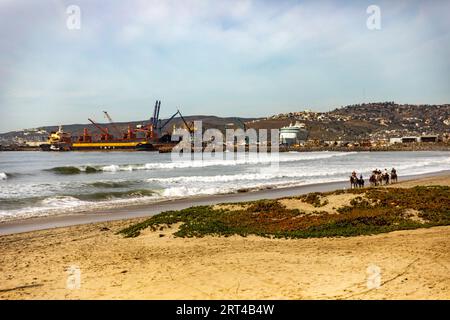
(385, 178)
(394, 177)
(373, 180)
(376, 179)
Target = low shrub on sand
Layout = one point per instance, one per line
(375, 211)
(315, 199)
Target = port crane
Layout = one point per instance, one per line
(129, 134)
(244, 126)
(105, 136)
(188, 127)
(107, 116)
(155, 127)
(155, 119)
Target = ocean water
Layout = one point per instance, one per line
(46, 183)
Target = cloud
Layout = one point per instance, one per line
(226, 57)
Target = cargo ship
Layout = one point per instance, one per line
(142, 138)
(62, 141)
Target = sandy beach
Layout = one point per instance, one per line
(208, 155)
(414, 264)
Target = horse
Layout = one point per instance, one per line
(373, 180)
(361, 183)
(353, 182)
(385, 178)
(376, 179)
(394, 177)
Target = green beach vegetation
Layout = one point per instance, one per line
(371, 211)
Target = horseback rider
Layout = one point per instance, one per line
(353, 180)
(394, 175)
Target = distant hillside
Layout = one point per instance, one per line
(369, 120)
(354, 122)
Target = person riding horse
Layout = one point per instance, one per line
(394, 175)
(361, 181)
(385, 177)
(355, 182)
(373, 180)
(376, 178)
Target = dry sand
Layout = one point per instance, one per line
(414, 264)
(333, 202)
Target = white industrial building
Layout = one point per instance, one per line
(410, 139)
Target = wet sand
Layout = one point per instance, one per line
(414, 264)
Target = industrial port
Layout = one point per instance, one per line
(148, 136)
(383, 126)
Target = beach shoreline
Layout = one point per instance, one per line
(147, 210)
(413, 264)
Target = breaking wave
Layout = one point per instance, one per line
(246, 177)
(54, 205)
(112, 184)
(96, 196)
(74, 170)
(256, 159)
(61, 202)
(3, 176)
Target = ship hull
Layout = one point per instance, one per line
(55, 147)
(100, 146)
(112, 146)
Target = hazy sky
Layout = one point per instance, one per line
(227, 58)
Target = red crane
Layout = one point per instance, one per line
(112, 123)
(105, 136)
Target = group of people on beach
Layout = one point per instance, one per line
(377, 178)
